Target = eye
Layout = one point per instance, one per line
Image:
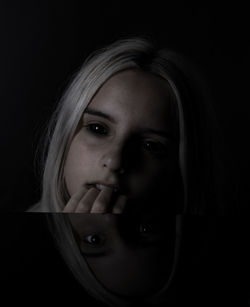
(93, 245)
(149, 234)
(94, 240)
(146, 229)
(155, 147)
(97, 129)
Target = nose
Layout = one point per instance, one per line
(113, 160)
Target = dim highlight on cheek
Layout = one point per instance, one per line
(79, 164)
(141, 144)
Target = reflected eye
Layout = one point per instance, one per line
(93, 245)
(145, 229)
(97, 129)
(149, 234)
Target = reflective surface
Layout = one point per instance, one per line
(213, 268)
(131, 255)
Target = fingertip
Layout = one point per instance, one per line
(103, 201)
(86, 202)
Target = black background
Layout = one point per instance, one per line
(213, 267)
(42, 44)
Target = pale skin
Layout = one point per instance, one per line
(124, 156)
(130, 255)
(127, 143)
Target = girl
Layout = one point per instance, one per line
(132, 134)
(170, 84)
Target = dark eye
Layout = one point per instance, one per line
(155, 147)
(149, 234)
(145, 229)
(97, 129)
(93, 240)
(93, 245)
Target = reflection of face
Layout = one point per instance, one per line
(130, 124)
(130, 256)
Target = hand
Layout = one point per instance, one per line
(95, 201)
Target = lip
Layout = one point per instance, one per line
(100, 184)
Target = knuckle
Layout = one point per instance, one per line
(83, 204)
(74, 198)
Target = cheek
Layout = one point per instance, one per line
(77, 166)
(168, 177)
(160, 185)
(158, 172)
(169, 193)
(132, 273)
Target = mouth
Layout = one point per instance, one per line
(101, 186)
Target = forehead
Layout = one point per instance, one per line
(137, 95)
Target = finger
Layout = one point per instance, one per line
(120, 205)
(74, 200)
(86, 203)
(103, 201)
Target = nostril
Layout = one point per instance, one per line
(114, 164)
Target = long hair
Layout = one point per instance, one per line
(65, 240)
(198, 162)
(197, 145)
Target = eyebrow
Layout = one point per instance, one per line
(100, 114)
(161, 133)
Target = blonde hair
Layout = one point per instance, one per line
(195, 144)
(61, 229)
(125, 54)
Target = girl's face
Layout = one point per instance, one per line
(129, 255)
(127, 139)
